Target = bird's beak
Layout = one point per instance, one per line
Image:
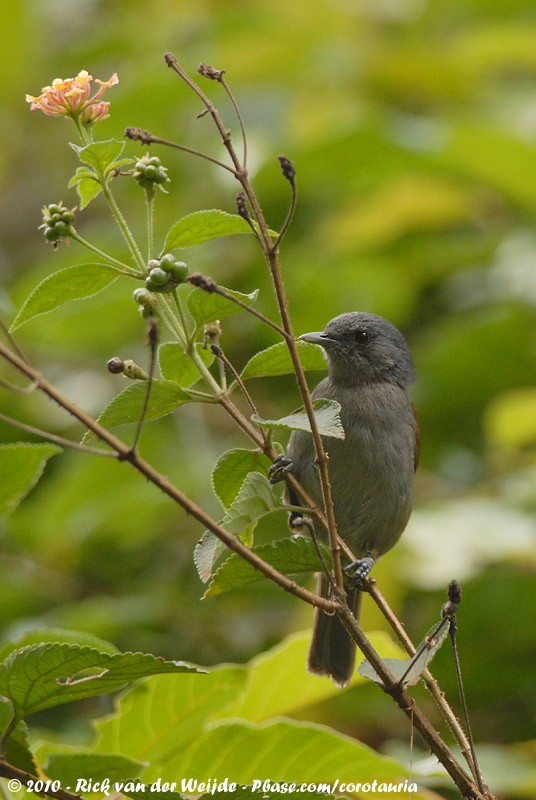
(317, 337)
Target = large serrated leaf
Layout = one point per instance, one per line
(48, 675)
(127, 406)
(294, 556)
(276, 360)
(71, 283)
(327, 413)
(21, 466)
(57, 636)
(100, 154)
(204, 225)
(207, 307)
(231, 470)
(153, 722)
(279, 685)
(284, 750)
(176, 365)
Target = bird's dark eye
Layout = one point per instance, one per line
(362, 337)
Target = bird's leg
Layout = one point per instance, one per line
(358, 570)
(279, 469)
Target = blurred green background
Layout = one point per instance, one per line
(412, 126)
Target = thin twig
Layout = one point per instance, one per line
(239, 117)
(290, 174)
(211, 287)
(152, 336)
(218, 352)
(57, 439)
(11, 339)
(10, 387)
(146, 137)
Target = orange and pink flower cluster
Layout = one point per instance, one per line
(71, 98)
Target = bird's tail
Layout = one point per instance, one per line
(332, 650)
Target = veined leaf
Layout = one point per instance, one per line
(204, 225)
(70, 767)
(71, 283)
(278, 684)
(100, 154)
(127, 406)
(87, 185)
(48, 675)
(176, 366)
(231, 470)
(21, 466)
(206, 307)
(293, 556)
(327, 418)
(276, 360)
(155, 721)
(57, 636)
(254, 499)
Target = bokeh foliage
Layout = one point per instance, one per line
(413, 127)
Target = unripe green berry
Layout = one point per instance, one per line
(142, 296)
(158, 276)
(55, 217)
(62, 228)
(153, 263)
(150, 286)
(179, 271)
(150, 171)
(54, 208)
(167, 261)
(67, 217)
(154, 161)
(51, 234)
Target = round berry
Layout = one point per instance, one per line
(179, 271)
(158, 276)
(167, 261)
(51, 234)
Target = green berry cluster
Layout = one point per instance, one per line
(150, 173)
(57, 221)
(165, 273)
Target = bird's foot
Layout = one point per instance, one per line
(358, 570)
(281, 466)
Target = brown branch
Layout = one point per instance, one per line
(57, 439)
(146, 137)
(125, 453)
(272, 257)
(7, 770)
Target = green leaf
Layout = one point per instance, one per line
(59, 636)
(293, 556)
(279, 685)
(206, 307)
(87, 185)
(285, 750)
(17, 750)
(45, 675)
(231, 470)
(156, 720)
(127, 406)
(327, 418)
(276, 360)
(100, 155)
(204, 225)
(70, 767)
(176, 365)
(255, 499)
(21, 466)
(229, 477)
(72, 283)
(409, 670)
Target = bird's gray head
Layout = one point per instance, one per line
(363, 348)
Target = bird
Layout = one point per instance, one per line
(371, 470)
